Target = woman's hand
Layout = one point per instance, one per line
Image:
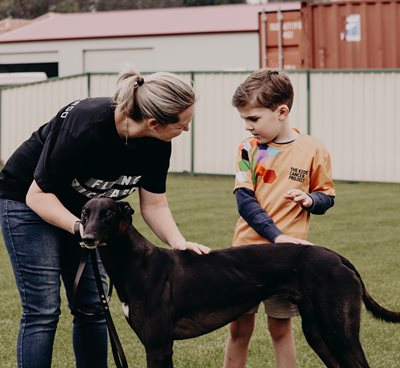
(290, 239)
(300, 197)
(198, 248)
(49, 208)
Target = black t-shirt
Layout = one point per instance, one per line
(79, 155)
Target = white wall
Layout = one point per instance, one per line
(167, 53)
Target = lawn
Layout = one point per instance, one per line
(363, 226)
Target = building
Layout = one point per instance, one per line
(9, 24)
(203, 38)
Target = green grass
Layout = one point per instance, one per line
(363, 226)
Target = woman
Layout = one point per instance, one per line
(93, 147)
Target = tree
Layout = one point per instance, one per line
(33, 8)
(27, 8)
(211, 2)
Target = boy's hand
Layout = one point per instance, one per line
(300, 197)
(290, 239)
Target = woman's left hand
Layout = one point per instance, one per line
(198, 248)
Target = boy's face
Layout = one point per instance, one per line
(264, 124)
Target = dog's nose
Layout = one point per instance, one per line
(88, 239)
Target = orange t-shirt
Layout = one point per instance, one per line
(270, 170)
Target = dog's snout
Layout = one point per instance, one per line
(88, 238)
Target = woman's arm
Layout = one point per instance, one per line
(49, 208)
(158, 216)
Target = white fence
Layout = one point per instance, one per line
(356, 115)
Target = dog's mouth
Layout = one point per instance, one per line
(90, 242)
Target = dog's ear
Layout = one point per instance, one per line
(126, 211)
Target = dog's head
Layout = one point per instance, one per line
(103, 218)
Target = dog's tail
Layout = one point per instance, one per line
(371, 305)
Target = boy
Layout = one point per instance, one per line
(282, 176)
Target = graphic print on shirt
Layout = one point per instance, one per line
(298, 174)
(116, 189)
(253, 162)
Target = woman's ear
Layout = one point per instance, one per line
(152, 124)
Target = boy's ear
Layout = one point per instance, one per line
(283, 111)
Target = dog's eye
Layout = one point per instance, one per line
(108, 213)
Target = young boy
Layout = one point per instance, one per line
(282, 176)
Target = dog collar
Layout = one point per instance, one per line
(77, 230)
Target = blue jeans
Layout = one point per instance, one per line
(41, 255)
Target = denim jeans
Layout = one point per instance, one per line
(41, 255)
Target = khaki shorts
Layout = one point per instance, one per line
(278, 306)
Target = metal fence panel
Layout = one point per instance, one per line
(218, 128)
(25, 108)
(356, 115)
(102, 85)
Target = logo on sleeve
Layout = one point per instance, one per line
(69, 108)
(298, 174)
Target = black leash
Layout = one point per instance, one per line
(116, 347)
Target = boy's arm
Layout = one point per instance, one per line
(321, 203)
(254, 215)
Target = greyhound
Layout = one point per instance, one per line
(173, 294)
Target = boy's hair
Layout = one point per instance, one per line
(162, 96)
(266, 88)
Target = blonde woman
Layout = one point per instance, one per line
(92, 148)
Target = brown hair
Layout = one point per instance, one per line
(266, 88)
(162, 96)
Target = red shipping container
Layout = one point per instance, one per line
(334, 35)
(280, 35)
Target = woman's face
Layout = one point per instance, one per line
(169, 131)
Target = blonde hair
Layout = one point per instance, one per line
(162, 96)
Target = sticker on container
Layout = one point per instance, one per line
(352, 28)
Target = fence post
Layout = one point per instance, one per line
(88, 81)
(192, 135)
(1, 126)
(308, 73)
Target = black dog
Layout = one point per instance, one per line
(175, 295)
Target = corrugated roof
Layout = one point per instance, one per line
(144, 22)
(9, 24)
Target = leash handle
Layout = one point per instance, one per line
(116, 347)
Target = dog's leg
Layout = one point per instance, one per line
(312, 333)
(337, 317)
(345, 343)
(155, 332)
(160, 357)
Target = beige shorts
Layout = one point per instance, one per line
(278, 306)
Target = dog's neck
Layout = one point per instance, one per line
(125, 253)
